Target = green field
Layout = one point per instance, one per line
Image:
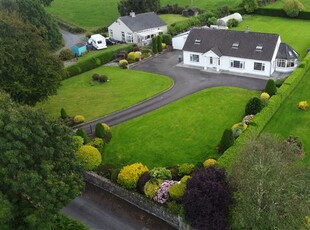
(93, 14)
(294, 32)
(291, 121)
(187, 130)
(172, 18)
(279, 4)
(78, 95)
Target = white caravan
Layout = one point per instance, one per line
(97, 41)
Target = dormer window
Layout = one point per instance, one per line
(197, 42)
(235, 45)
(259, 47)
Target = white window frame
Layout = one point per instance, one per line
(129, 38)
(290, 63)
(237, 64)
(194, 58)
(211, 60)
(111, 33)
(259, 66)
(123, 36)
(281, 63)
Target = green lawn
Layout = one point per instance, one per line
(126, 87)
(187, 130)
(279, 4)
(172, 18)
(92, 14)
(292, 31)
(291, 121)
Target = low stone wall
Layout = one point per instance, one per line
(136, 200)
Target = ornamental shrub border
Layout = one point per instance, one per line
(261, 119)
(281, 13)
(94, 62)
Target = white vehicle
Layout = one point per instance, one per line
(97, 41)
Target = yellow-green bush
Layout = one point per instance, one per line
(151, 188)
(133, 56)
(89, 156)
(186, 169)
(238, 128)
(209, 162)
(123, 63)
(163, 45)
(177, 191)
(303, 105)
(185, 179)
(97, 142)
(264, 96)
(78, 119)
(130, 174)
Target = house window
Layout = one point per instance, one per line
(211, 60)
(129, 38)
(290, 63)
(194, 58)
(123, 36)
(281, 63)
(111, 33)
(259, 66)
(237, 64)
(219, 62)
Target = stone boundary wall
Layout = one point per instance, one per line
(136, 199)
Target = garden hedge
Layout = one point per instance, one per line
(261, 119)
(281, 13)
(94, 62)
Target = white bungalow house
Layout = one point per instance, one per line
(240, 52)
(137, 28)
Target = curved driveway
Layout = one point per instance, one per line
(186, 81)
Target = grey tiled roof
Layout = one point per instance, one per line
(286, 52)
(221, 41)
(142, 21)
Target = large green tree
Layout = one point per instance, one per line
(38, 167)
(138, 6)
(271, 189)
(250, 5)
(28, 71)
(33, 11)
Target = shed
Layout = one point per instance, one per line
(179, 40)
(78, 49)
(223, 21)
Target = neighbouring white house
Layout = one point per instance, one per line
(179, 40)
(137, 28)
(241, 52)
(223, 21)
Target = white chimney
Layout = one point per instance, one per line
(132, 14)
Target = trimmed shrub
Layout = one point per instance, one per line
(123, 63)
(66, 55)
(78, 119)
(162, 194)
(212, 21)
(167, 39)
(226, 141)
(247, 119)
(89, 156)
(250, 5)
(177, 191)
(207, 199)
(209, 162)
(293, 7)
(253, 106)
(107, 133)
(163, 45)
(103, 78)
(232, 23)
(79, 141)
(186, 169)
(303, 105)
(95, 77)
(82, 133)
(130, 174)
(160, 173)
(132, 56)
(185, 179)
(271, 87)
(99, 130)
(154, 45)
(264, 96)
(238, 128)
(105, 170)
(151, 187)
(159, 42)
(144, 178)
(98, 143)
(63, 114)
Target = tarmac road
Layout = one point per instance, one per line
(186, 81)
(101, 210)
